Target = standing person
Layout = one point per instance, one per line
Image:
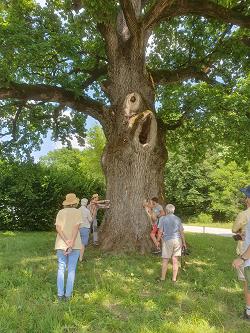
(84, 226)
(241, 227)
(93, 206)
(170, 227)
(156, 212)
(68, 244)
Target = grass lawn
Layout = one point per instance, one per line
(118, 293)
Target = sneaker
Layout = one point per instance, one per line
(60, 298)
(67, 298)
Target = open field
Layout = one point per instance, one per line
(118, 293)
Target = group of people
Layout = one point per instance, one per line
(73, 228)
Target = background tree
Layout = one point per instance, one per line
(76, 58)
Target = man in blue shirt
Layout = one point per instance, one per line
(172, 235)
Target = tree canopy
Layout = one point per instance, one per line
(54, 68)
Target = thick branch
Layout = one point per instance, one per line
(155, 12)
(206, 9)
(109, 34)
(54, 94)
(163, 76)
(130, 16)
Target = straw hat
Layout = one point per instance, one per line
(71, 199)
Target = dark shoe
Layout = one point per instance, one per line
(67, 298)
(246, 316)
(96, 244)
(156, 251)
(60, 298)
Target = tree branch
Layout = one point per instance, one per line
(155, 12)
(130, 16)
(164, 76)
(109, 34)
(42, 92)
(206, 9)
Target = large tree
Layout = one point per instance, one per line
(114, 60)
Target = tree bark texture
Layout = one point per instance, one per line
(135, 154)
(133, 160)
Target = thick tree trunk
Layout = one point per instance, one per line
(135, 155)
(132, 176)
(133, 163)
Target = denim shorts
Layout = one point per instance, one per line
(84, 233)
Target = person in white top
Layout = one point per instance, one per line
(84, 226)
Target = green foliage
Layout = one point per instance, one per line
(60, 45)
(118, 293)
(87, 161)
(32, 194)
(206, 186)
(202, 219)
(226, 180)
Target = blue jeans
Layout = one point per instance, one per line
(69, 260)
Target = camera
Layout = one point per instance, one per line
(237, 237)
(185, 251)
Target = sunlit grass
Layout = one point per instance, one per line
(118, 293)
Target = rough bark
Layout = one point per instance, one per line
(135, 155)
(133, 163)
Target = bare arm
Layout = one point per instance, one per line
(159, 235)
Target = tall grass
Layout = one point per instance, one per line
(118, 293)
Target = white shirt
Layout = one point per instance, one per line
(86, 217)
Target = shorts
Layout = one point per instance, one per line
(154, 229)
(171, 248)
(84, 233)
(240, 273)
(247, 277)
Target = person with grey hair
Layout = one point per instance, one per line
(172, 235)
(84, 226)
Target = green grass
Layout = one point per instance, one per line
(118, 293)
